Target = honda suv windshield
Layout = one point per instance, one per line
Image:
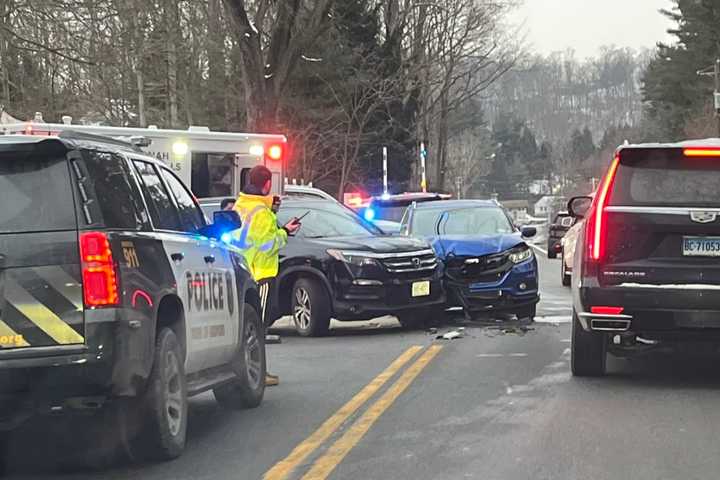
(326, 223)
(466, 221)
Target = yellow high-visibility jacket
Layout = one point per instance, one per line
(259, 237)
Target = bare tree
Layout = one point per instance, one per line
(272, 37)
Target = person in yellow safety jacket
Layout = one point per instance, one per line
(260, 237)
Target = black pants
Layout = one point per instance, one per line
(265, 291)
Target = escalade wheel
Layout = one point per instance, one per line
(310, 308)
(165, 402)
(589, 351)
(249, 366)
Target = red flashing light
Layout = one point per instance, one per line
(607, 310)
(28, 130)
(100, 284)
(275, 152)
(597, 224)
(701, 152)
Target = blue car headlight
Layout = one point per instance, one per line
(521, 254)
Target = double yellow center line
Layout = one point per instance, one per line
(324, 465)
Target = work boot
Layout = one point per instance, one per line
(271, 380)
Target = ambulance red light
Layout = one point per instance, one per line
(275, 152)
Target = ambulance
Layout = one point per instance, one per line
(214, 164)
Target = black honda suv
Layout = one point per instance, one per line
(341, 266)
(647, 263)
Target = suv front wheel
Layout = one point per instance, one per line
(588, 352)
(310, 308)
(248, 389)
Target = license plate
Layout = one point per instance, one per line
(701, 246)
(421, 289)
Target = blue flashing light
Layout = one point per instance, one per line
(226, 237)
(369, 214)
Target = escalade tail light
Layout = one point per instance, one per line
(596, 225)
(100, 286)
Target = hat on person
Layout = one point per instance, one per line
(257, 178)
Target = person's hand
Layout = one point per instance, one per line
(292, 226)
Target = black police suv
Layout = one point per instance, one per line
(646, 269)
(341, 266)
(114, 293)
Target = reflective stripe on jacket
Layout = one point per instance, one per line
(259, 237)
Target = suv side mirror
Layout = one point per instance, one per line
(579, 206)
(528, 232)
(227, 219)
(224, 221)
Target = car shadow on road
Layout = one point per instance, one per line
(666, 370)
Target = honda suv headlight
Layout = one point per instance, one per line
(353, 258)
(522, 254)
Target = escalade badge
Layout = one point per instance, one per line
(703, 217)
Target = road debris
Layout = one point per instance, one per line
(452, 335)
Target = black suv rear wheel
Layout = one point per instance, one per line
(310, 308)
(165, 403)
(249, 366)
(588, 352)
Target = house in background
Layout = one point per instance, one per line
(518, 209)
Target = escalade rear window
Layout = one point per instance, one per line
(665, 177)
(35, 194)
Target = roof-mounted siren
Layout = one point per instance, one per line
(140, 141)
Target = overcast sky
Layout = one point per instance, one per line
(586, 25)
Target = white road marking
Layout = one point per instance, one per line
(554, 320)
(501, 355)
(544, 252)
(566, 340)
(566, 351)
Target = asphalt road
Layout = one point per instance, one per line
(499, 403)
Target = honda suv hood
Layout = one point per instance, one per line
(474, 245)
(374, 244)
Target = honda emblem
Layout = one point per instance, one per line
(703, 217)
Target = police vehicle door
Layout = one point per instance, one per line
(217, 300)
(186, 253)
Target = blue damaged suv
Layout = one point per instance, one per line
(488, 265)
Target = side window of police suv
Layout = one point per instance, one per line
(108, 194)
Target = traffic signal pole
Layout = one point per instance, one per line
(423, 180)
(385, 171)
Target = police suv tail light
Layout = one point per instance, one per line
(100, 285)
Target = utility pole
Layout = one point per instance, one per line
(716, 94)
